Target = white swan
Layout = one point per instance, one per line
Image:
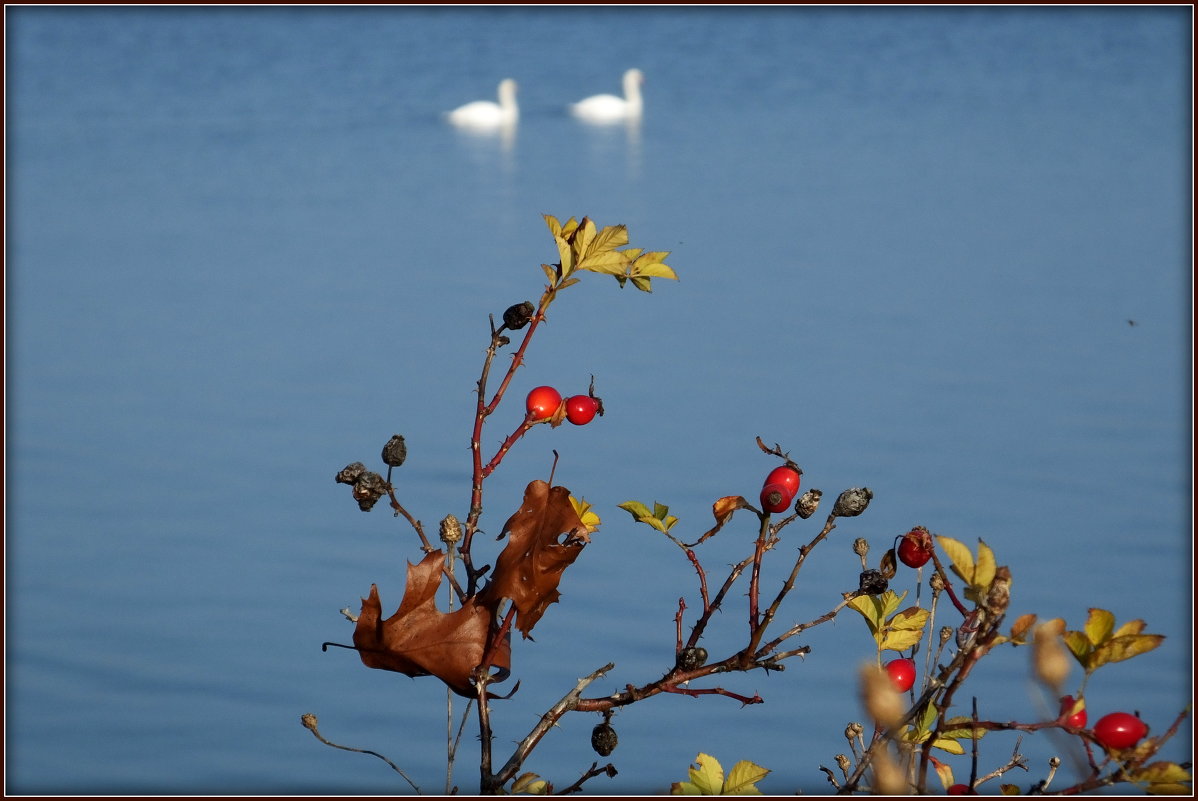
(485, 114)
(609, 108)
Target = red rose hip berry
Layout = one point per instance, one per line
(580, 409)
(542, 402)
(787, 476)
(1075, 712)
(915, 549)
(902, 674)
(1119, 730)
(775, 498)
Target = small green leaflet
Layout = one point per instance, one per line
(660, 518)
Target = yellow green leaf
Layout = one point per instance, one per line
(1080, 646)
(1009, 789)
(550, 272)
(1099, 626)
(637, 509)
(705, 779)
(910, 619)
(983, 571)
(651, 265)
(583, 510)
(566, 254)
(613, 262)
(743, 778)
(529, 783)
(1119, 648)
(583, 238)
(656, 270)
(555, 227)
(641, 283)
(898, 640)
(959, 556)
(927, 720)
(1130, 627)
(891, 601)
(569, 228)
(870, 610)
(949, 745)
(1167, 788)
(959, 728)
(904, 630)
(610, 238)
(1162, 772)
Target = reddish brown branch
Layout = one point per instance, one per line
(507, 444)
(948, 585)
(690, 554)
(696, 692)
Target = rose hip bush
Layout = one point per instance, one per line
(914, 733)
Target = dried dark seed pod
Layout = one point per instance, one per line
(368, 489)
(691, 658)
(808, 502)
(852, 502)
(395, 451)
(518, 316)
(350, 473)
(603, 739)
(872, 582)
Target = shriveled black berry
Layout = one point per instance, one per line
(350, 473)
(518, 316)
(691, 658)
(873, 582)
(368, 489)
(852, 502)
(395, 451)
(603, 739)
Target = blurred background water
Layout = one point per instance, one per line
(944, 254)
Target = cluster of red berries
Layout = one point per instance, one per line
(780, 488)
(544, 402)
(1117, 731)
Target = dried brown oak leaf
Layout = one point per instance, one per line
(420, 640)
(544, 538)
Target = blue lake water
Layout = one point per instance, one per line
(944, 254)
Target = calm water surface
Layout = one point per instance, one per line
(942, 254)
